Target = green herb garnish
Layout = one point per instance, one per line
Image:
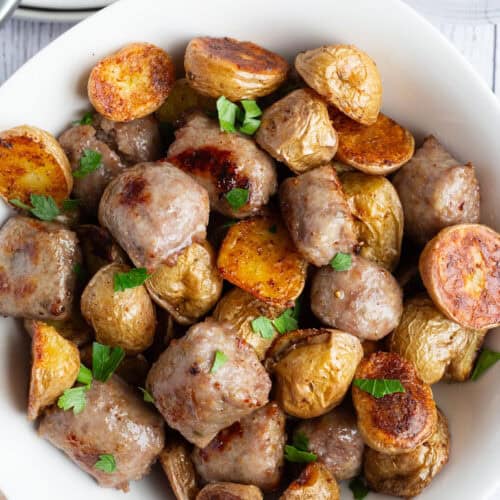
(358, 488)
(105, 360)
(84, 375)
(148, 397)
(106, 463)
(235, 119)
(264, 327)
(87, 119)
(43, 207)
(237, 197)
(486, 360)
(379, 387)
(226, 112)
(73, 399)
(287, 322)
(130, 279)
(341, 262)
(89, 162)
(298, 451)
(219, 360)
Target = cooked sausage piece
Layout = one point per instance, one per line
(249, 451)
(335, 439)
(365, 300)
(207, 380)
(436, 191)
(154, 210)
(115, 421)
(221, 161)
(37, 278)
(317, 215)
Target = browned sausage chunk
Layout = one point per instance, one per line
(199, 397)
(37, 278)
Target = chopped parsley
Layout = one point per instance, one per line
(219, 360)
(379, 387)
(232, 118)
(147, 396)
(341, 262)
(73, 399)
(486, 360)
(89, 162)
(105, 360)
(130, 279)
(237, 197)
(106, 463)
(43, 207)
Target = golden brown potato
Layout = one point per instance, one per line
(406, 475)
(33, 162)
(432, 342)
(377, 149)
(346, 77)
(460, 268)
(263, 261)
(378, 217)
(176, 462)
(55, 366)
(313, 369)
(297, 131)
(120, 319)
(237, 70)
(131, 83)
(189, 288)
(229, 491)
(240, 308)
(398, 422)
(314, 483)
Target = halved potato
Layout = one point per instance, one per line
(33, 162)
(377, 149)
(55, 366)
(314, 483)
(229, 491)
(259, 256)
(132, 82)
(460, 268)
(234, 69)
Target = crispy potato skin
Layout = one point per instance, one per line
(398, 422)
(125, 319)
(406, 475)
(347, 78)
(131, 83)
(460, 268)
(234, 69)
(314, 483)
(55, 366)
(377, 149)
(33, 162)
(378, 217)
(297, 131)
(433, 343)
(263, 263)
(229, 491)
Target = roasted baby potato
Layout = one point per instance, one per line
(398, 422)
(378, 217)
(176, 463)
(259, 256)
(120, 319)
(313, 369)
(460, 268)
(347, 78)
(377, 149)
(432, 342)
(240, 308)
(33, 162)
(234, 69)
(314, 483)
(55, 366)
(407, 474)
(229, 491)
(189, 288)
(297, 131)
(131, 83)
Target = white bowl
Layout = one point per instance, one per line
(428, 87)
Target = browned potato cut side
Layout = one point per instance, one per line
(56, 363)
(315, 482)
(377, 149)
(398, 422)
(131, 83)
(228, 67)
(460, 268)
(33, 163)
(259, 256)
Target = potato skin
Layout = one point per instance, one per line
(123, 319)
(347, 78)
(297, 131)
(460, 268)
(229, 491)
(314, 483)
(406, 475)
(131, 83)
(398, 422)
(234, 69)
(378, 217)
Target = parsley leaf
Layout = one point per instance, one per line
(87, 119)
(292, 454)
(106, 463)
(251, 109)
(263, 326)
(219, 360)
(301, 441)
(249, 126)
(130, 279)
(89, 162)
(287, 322)
(70, 205)
(19, 204)
(73, 399)
(229, 223)
(379, 387)
(341, 262)
(84, 375)
(226, 112)
(43, 207)
(232, 118)
(148, 397)
(486, 360)
(237, 197)
(105, 360)
(358, 488)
